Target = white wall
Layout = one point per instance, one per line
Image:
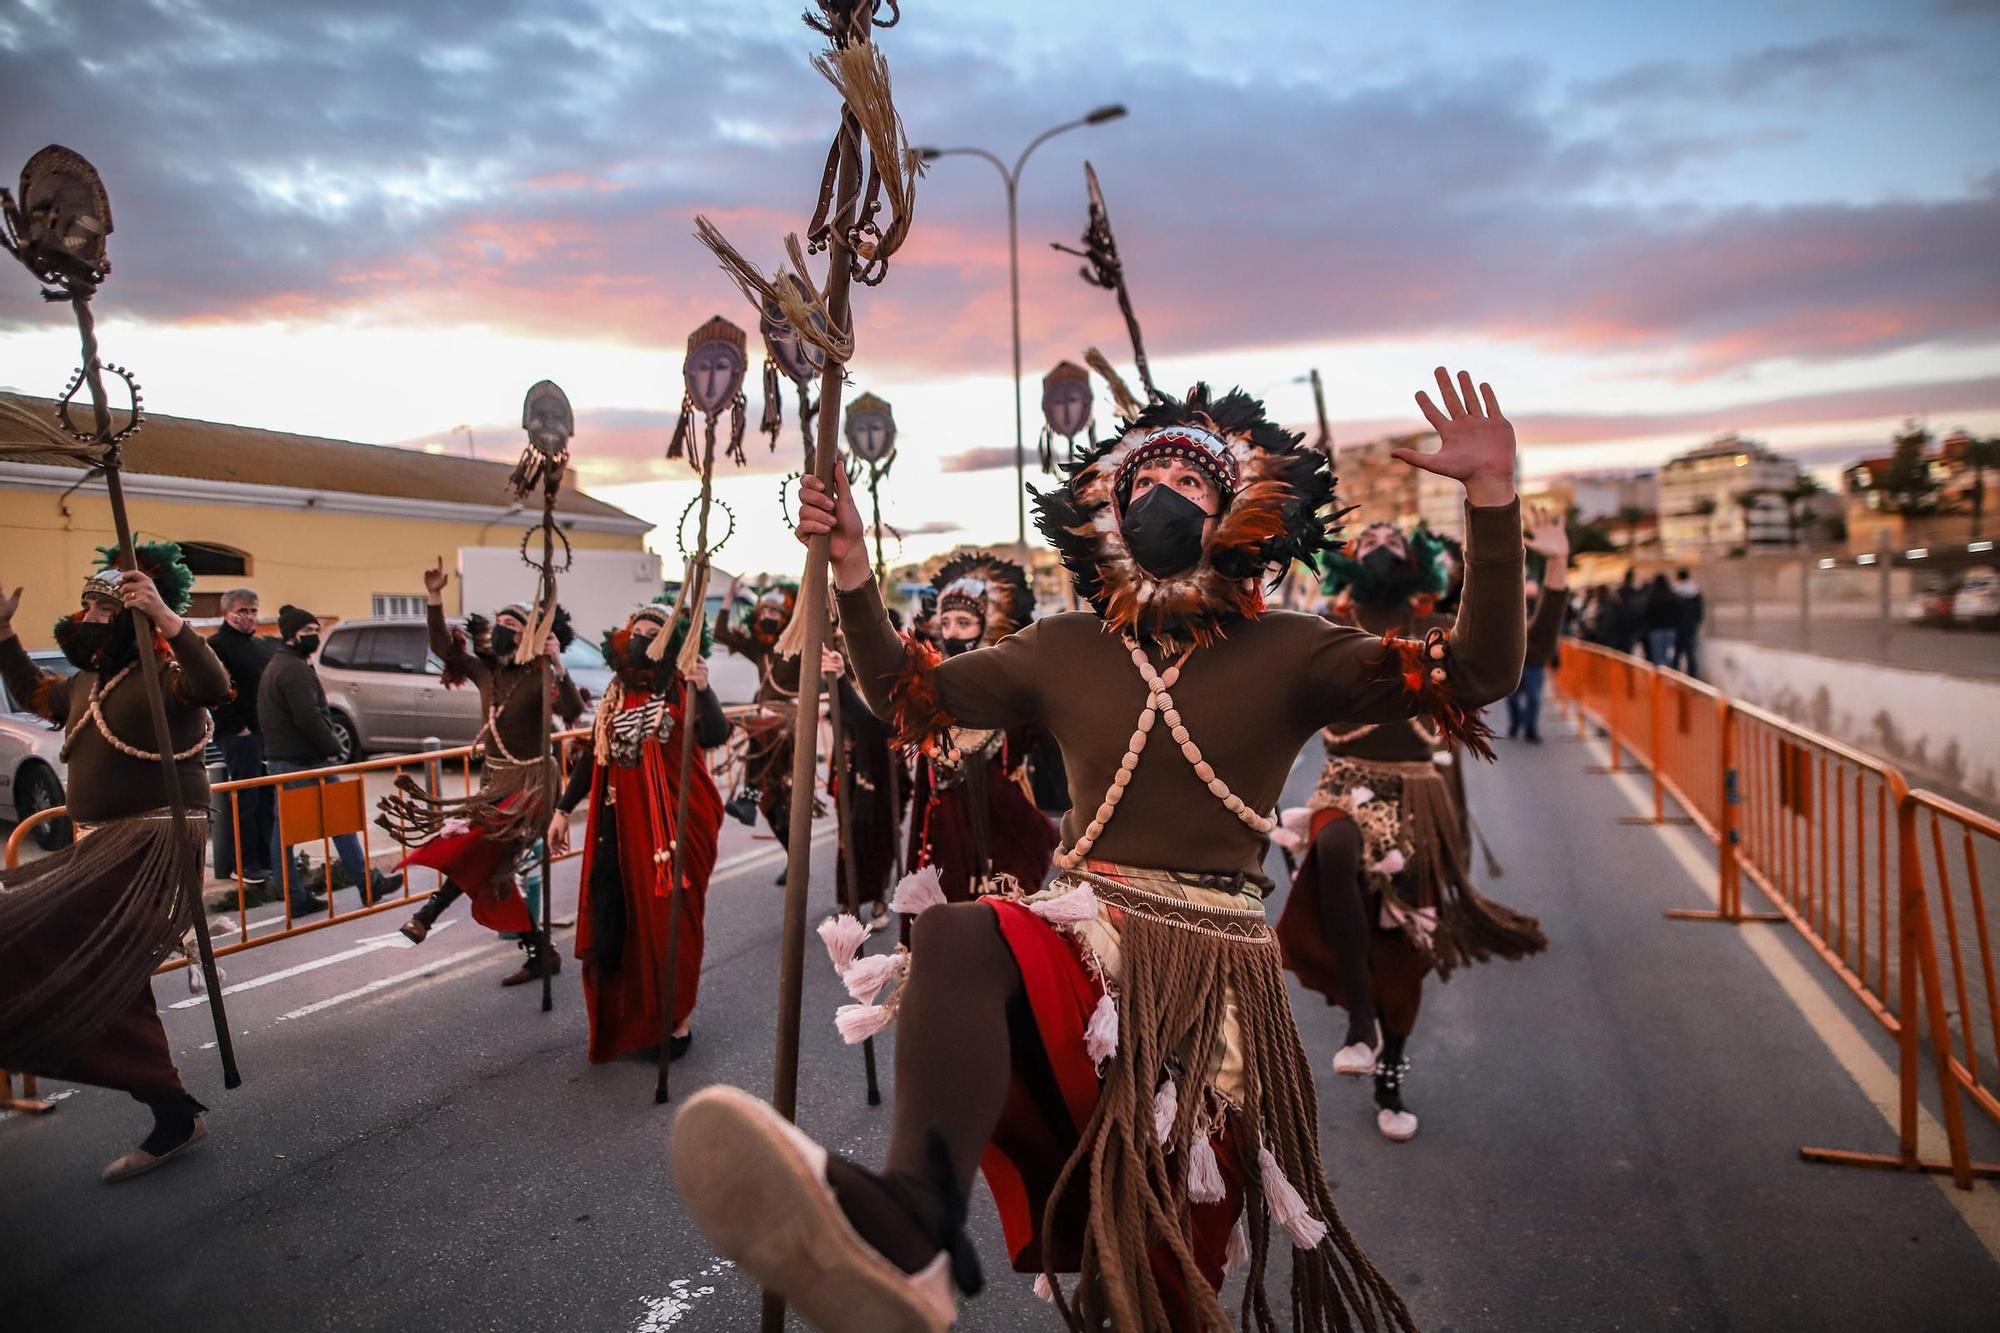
(1942, 731)
(599, 589)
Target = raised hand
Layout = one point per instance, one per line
(1475, 442)
(141, 597)
(835, 514)
(9, 604)
(552, 649)
(698, 675)
(1548, 535)
(435, 579)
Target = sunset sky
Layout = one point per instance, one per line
(1644, 224)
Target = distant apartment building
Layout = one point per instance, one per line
(1962, 501)
(1703, 494)
(1382, 489)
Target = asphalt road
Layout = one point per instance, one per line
(1954, 652)
(1609, 1138)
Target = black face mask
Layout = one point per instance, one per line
(307, 644)
(505, 641)
(80, 641)
(953, 647)
(1163, 532)
(1382, 564)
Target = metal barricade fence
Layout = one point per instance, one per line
(324, 804)
(1834, 839)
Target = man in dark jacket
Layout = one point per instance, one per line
(1687, 629)
(244, 655)
(298, 735)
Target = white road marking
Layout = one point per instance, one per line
(52, 1097)
(666, 1312)
(1980, 1206)
(383, 983)
(367, 945)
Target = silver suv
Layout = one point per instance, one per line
(385, 688)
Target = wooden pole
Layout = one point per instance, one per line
(895, 761)
(551, 771)
(189, 868)
(812, 605)
(694, 596)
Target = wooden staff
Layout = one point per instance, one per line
(189, 867)
(843, 807)
(694, 596)
(895, 761)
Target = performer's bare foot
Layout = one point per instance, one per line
(175, 1131)
(773, 1201)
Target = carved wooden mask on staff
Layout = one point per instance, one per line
(712, 380)
(1066, 409)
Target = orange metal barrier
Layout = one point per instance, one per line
(331, 802)
(1834, 839)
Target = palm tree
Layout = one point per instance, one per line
(1631, 516)
(1798, 498)
(1749, 502)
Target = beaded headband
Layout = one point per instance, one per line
(1187, 444)
(966, 594)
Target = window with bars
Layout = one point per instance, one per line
(398, 604)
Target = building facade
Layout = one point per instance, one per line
(1726, 495)
(341, 528)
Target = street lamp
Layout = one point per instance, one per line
(1012, 178)
(470, 451)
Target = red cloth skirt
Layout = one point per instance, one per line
(472, 861)
(624, 1001)
(1021, 839)
(1396, 968)
(1051, 1096)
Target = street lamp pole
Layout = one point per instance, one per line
(470, 450)
(1011, 178)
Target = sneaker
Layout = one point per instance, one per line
(307, 905)
(879, 918)
(1396, 1126)
(138, 1162)
(756, 1187)
(1356, 1060)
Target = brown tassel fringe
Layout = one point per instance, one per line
(1471, 928)
(1412, 660)
(129, 881)
(1169, 1025)
(413, 817)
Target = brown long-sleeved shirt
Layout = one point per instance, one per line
(1250, 701)
(777, 677)
(510, 687)
(1402, 742)
(105, 783)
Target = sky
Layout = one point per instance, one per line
(1643, 224)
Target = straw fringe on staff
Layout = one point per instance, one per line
(793, 641)
(860, 73)
(1121, 393)
(804, 310)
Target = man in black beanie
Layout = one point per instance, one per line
(298, 735)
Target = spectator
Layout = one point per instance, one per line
(1548, 603)
(244, 655)
(298, 735)
(1660, 618)
(1622, 619)
(1687, 632)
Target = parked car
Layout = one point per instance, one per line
(32, 773)
(1930, 606)
(385, 688)
(1977, 602)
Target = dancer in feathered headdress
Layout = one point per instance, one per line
(82, 929)
(1383, 893)
(1163, 1118)
(973, 821)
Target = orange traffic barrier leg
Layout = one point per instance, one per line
(27, 1103)
(1729, 885)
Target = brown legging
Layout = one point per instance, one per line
(955, 1037)
(1337, 853)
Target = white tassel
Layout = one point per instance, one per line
(1238, 1253)
(1360, 795)
(1166, 1108)
(918, 891)
(1392, 864)
(1287, 1207)
(859, 1022)
(842, 936)
(867, 975)
(1443, 759)
(1100, 1038)
(1079, 904)
(1042, 1288)
(1287, 839)
(1205, 1174)
(1297, 821)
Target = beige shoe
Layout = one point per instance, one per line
(138, 1162)
(1396, 1126)
(1357, 1059)
(756, 1187)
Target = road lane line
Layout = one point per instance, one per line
(366, 945)
(1979, 1207)
(383, 983)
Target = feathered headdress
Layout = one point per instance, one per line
(1421, 577)
(162, 562)
(1278, 508)
(993, 589)
(639, 668)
